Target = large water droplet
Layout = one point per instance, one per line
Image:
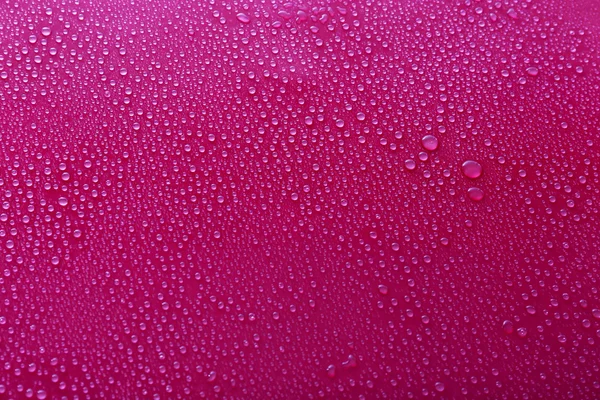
(430, 142)
(472, 169)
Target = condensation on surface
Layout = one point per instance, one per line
(299, 199)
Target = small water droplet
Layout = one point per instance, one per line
(331, 371)
(475, 194)
(212, 376)
(508, 327)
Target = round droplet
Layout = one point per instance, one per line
(410, 164)
(212, 376)
(439, 386)
(430, 142)
(46, 31)
(331, 371)
(533, 71)
(475, 194)
(383, 289)
(41, 394)
(508, 327)
(243, 18)
(472, 169)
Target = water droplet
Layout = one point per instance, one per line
(212, 376)
(508, 327)
(243, 18)
(430, 142)
(472, 169)
(331, 371)
(383, 289)
(475, 194)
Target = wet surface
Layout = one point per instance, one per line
(291, 200)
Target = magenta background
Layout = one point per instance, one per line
(217, 244)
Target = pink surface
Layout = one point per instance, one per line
(297, 200)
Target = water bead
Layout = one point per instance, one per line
(410, 164)
(475, 194)
(472, 169)
(383, 289)
(430, 142)
(243, 18)
(331, 371)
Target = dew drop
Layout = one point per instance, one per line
(472, 169)
(475, 194)
(430, 142)
(243, 18)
